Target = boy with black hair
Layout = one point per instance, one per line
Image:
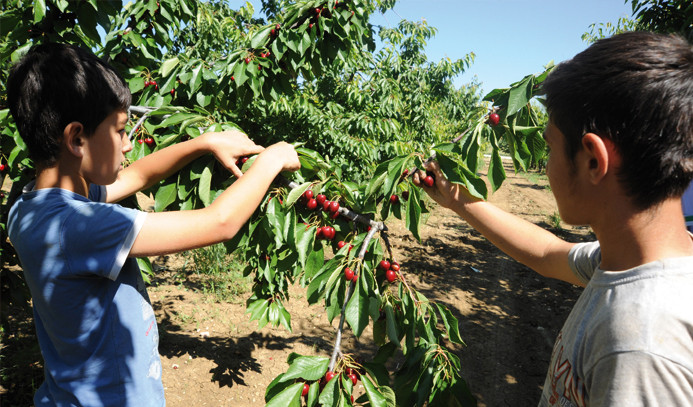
(94, 322)
(620, 134)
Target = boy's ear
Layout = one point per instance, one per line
(73, 138)
(601, 155)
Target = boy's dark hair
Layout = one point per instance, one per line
(56, 84)
(635, 89)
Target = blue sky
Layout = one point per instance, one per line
(510, 38)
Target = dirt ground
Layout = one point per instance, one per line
(509, 316)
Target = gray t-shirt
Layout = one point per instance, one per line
(628, 340)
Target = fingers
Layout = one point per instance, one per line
(430, 167)
(235, 170)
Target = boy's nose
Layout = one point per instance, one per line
(127, 145)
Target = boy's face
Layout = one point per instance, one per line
(105, 150)
(562, 177)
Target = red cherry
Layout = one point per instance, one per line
(341, 244)
(354, 379)
(259, 67)
(149, 141)
(139, 140)
(232, 78)
(321, 199)
(391, 275)
(356, 277)
(326, 205)
(310, 25)
(394, 199)
(277, 26)
(312, 204)
(348, 274)
(2, 167)
(320, 233)
(329, 376)
(273, 31)
(334, 206)
(173, 92)
(328, 232)
(493, 119)
(428, 181)
(384, 264)
(306, 389)
(405, 172)
(247, 60)
(394, 266)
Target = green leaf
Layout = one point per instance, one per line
(275, 218)
(204, 191)
(297, 192)
(260, 39)
(374, 396)
(391, 327)
(309, 368)
(519, 96)
(451, 324)
(315, 260)
(413, 214)
(168, 66)
(330, 393)
(145, 268)
(496, 172)
(165, 195)
(39, 10)
(457, 172)
(303, 241)
(289, 397)
(196, 79)
(356, 312)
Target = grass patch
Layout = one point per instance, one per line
(218, 273)
(537, 178)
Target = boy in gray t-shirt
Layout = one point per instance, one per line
(620, 134)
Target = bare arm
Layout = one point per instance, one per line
(524, 241)
(171, 232)
(227, 146)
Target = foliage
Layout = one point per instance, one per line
(603, 30)
(664, 16)
(309, 74)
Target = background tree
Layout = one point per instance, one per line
(663, 16)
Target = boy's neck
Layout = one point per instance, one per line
(632, 238)
(60, 177)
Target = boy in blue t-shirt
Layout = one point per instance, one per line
(94, 321)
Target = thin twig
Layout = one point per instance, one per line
(338, 341)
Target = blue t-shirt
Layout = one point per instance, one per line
(94, 321)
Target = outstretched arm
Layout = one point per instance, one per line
(227, 146)
(175, 231)
(524, 241)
